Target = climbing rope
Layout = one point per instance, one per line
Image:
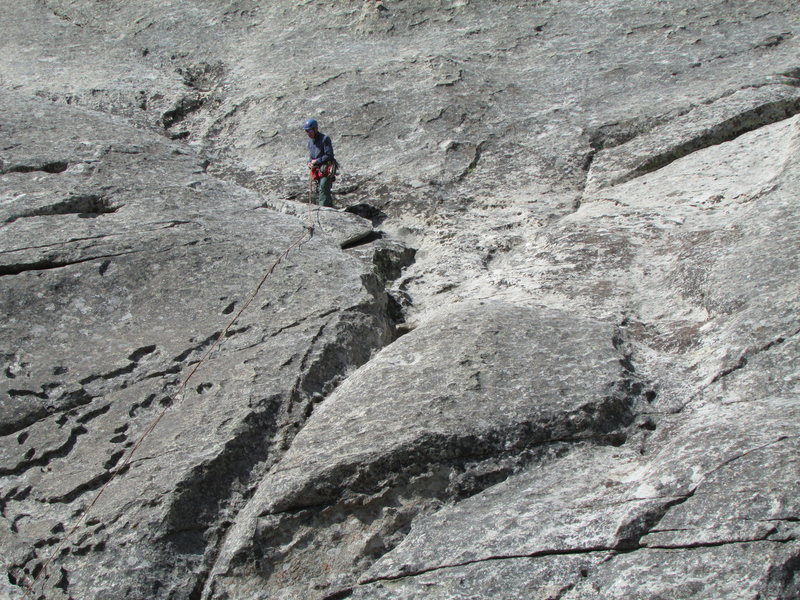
(311, 186)
(313, 190)
(41, 575)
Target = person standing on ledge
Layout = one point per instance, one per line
(321, 162)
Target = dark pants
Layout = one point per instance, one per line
(324, 197)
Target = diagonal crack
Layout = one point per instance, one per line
(46, 457)
(631, 533)
(643, 155)
(93, 484)
(64, 403)
(642, 525)
(725, 463)
(726, 131)
(744, 358)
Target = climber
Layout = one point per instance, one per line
(321, 162)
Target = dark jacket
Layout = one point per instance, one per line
(320, 148)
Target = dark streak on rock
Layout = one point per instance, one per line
(63, 403)
(93, 414)
(140, 353)
(94, 483)
(182, 108)
(339, 594)
(58, 166)
(202, 345)
(202, 496)
(85, 206)
(46, 457)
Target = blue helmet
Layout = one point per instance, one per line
(310, 124)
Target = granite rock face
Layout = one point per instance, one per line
(548, 349)
(110, 272)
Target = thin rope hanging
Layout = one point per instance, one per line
(41, 575)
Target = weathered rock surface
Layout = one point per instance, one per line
(581, 217)
(119, 273)
(378, 442)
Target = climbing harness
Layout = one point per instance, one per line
(327, 169)
(315, 175)
(308, 233)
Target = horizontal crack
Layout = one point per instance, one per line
(49, 264)
(46, 264)
(157, 226)
(55, 166)
(407, 572)
(632, 543)
(718, 543)
(89, 205)
(55, 244)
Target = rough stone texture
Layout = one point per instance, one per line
(119, 273)
(549, 350)
(561, 380)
